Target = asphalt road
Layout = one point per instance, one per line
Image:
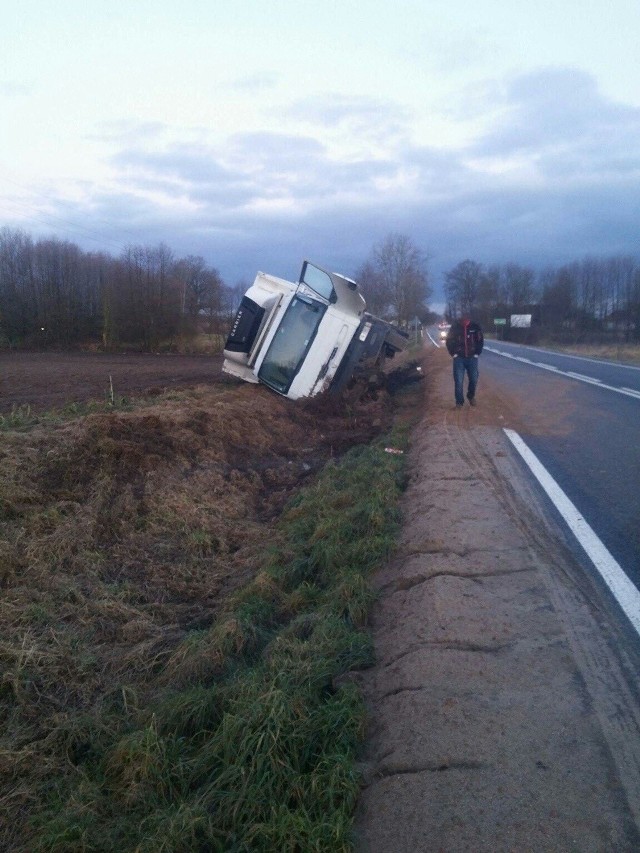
(581, 417)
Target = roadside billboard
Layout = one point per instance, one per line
(521, 321)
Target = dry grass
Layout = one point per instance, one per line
(629, 353)
(120, 535)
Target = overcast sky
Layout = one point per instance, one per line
(260, 133)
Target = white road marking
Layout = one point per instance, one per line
(628, 392)
(599, 361)
(584, 378)
(626, 594)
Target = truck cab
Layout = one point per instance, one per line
(304, 338)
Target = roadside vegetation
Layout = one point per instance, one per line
(22, 417)
(629, 353)
(182, 585)
(589, 303)
(54, 295)
(626, 353)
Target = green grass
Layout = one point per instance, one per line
(23, 418)
(609, 352)
(249, 740)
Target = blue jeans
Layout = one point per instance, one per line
(460, 367)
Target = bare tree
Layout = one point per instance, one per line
(63, 306)
(234, 296)
(17, 298)
(620, 275)
(191, 275)
(215, 298)
(633, 304)
(488, 296)
(402, 274)
(461, 286)
(147, 297)
(518, 286)
(559, 299)
(373, 289)
(52, 293)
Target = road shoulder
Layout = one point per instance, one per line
(490, 726)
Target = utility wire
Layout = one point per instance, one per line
(52, 219)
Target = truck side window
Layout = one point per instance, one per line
(318, 280)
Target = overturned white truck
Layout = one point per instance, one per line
(304, 338)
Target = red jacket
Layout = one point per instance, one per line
(465, 339)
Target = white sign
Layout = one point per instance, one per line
(521, 321)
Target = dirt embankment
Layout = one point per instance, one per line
(169, 501)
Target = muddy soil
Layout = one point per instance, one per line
(53, 380)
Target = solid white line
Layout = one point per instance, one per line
(584, 378)
(626, 594)
(580, 377)
(577, 357)
(590, 379)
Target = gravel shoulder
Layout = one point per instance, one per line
(504, 714)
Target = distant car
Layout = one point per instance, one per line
(443, 330)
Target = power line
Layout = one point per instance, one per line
(53, 220)
(77, 228)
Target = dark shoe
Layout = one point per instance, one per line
(472, 401)
(459, 405)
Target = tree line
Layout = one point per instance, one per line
(53, 294)
(593, 299)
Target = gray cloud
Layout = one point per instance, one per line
(559, 116)
(186, 164)
(12, 89)
(335, 109)
(255, 82)
(362, 120)
(558, 177)
(253, 167)
(128, 132)
(275, 151)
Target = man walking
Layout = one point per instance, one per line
(464, 343)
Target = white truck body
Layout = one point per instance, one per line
(304, 338)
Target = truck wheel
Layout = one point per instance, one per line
(377, 379)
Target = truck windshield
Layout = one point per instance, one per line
(291, 342)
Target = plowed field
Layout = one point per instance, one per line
(52, 380)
